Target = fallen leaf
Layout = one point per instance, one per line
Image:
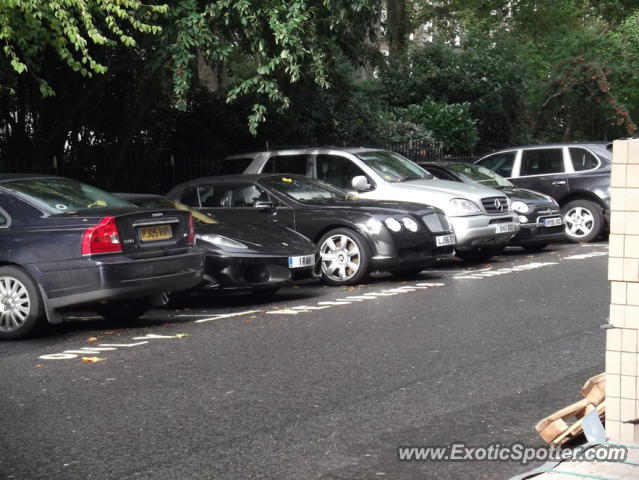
(39, 365)
(92, 339)
(92, 359)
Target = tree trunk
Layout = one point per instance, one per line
(397, 26)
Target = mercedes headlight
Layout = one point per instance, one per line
(221, 241)
(393, 224)
(461, 206)
(520, 207)
(410, 224)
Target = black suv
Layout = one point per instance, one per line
(577, 175)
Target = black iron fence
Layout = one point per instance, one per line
(149, 172)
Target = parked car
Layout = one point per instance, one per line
(355, 236)
(258, 258)
(539, 216)
(480, 216)
(65, 244)
(577, 175)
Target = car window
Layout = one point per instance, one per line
(306, 190)
(439, 173)
(215, 196)
(3, 220)
(286, 164)
(247, 195)
(233, 166)
(63, 195)
(190, 198)
(393, 167)
(541, 161)
(338, 171)
(501, 163)
(582, 159)
(478, 174)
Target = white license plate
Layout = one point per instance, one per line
(443, 240)
(553, 222)
(303, 261)
(504, 227)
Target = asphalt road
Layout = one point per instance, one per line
(320, 383)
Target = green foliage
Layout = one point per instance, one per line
(450, 124)
(70, 28)
(274, 43)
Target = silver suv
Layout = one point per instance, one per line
(480, 216)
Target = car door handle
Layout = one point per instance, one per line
(559, 182)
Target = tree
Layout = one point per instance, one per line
(70, 28)
(263, 46)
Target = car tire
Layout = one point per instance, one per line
(339, 249)
(584, 220)
(122, 311)
(535, 248)
(20, 302)
(480, 254)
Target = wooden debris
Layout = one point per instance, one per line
(567, 423)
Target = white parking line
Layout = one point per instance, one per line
(583, 256)
(227, 315)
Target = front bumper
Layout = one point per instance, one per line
(531, 234)
(481, 230)
(253, 273)
(92, 280)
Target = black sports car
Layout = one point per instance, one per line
(65, 245)
(254, 257)
(355, 236)
(539, 215)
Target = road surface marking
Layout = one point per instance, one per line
(220, 316)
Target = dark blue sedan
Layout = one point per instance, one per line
(65, 245)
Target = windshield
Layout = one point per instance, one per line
(162, 202)
(479, 174)
(306, 190)
(63, 195)
(392, 167)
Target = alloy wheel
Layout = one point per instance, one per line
(15, 304)
(341, 258)
(579, 222)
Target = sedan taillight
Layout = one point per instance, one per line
(190, 236)
(101, 238)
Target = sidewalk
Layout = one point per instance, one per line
(570, 470)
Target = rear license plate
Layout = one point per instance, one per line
(303, 261)
(444, 240)
(155, 233)
(553, 222)
(504, 227)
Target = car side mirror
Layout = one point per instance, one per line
(360, 183)
(263, 204)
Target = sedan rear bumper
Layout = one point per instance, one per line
(92, 280)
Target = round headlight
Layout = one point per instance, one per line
(520, 207)
(393, 224)
(410, 224)
(522, 219)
